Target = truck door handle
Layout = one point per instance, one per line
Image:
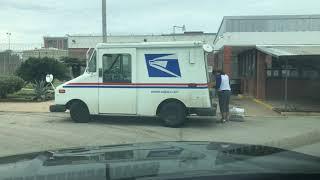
(100, 72)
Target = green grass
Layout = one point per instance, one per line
(24, 95)
(28, 86)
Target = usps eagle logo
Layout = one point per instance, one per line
(163, 65)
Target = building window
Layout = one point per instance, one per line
(269, 73)
(297, 68)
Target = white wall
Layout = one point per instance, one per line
(268, 38)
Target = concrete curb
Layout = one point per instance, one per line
(300, 113)
(257, 116)
(12, 111)
(268, 106)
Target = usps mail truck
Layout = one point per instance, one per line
(168, 80)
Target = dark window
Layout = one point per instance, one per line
(116, 68)
(92, 67)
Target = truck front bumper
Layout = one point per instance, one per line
(57, 108)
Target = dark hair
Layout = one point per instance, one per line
(221, 72)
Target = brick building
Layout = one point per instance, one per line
(269, 57)
(56, 42)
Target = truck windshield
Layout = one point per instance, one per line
(92, 66)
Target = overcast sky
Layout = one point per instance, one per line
(30, 20)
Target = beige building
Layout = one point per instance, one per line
(44, 52)
(90, 41)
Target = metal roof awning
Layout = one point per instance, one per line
(287, 50)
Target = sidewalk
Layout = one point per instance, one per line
(252, 108)
(25, 106)
(297, 105)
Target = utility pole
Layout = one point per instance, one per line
(9, 53)
(183, 28)
(286, 87)
(104, 22)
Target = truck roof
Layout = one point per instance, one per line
(151, 44)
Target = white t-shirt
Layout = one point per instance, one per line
(225, 83)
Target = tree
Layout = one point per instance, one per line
(75, 65)
(36, 69)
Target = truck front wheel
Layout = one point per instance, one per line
(79, 112)
(173, 114)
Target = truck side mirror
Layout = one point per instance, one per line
(49, 78)
(207, 48)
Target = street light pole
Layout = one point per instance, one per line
(9, 35)
(183, 28)
(104, 22)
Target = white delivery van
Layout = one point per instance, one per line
(164, 79)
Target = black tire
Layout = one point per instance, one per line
(173, 114)
(79, 112)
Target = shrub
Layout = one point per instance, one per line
(10, 84)
(41, 90)
(36, 69)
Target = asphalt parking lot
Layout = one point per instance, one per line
(29, 132)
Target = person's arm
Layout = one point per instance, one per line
(218, 82)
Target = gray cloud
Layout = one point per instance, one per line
(30, 20)
(23, 5)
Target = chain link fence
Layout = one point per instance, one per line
(10, 60)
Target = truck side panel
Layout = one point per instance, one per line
(177, 73)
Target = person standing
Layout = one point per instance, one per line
(224, 93)
(217, 81)
(214, 82)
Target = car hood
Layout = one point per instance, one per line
(156, 159)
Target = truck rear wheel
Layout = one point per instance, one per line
(173, 114)
(79, 112)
